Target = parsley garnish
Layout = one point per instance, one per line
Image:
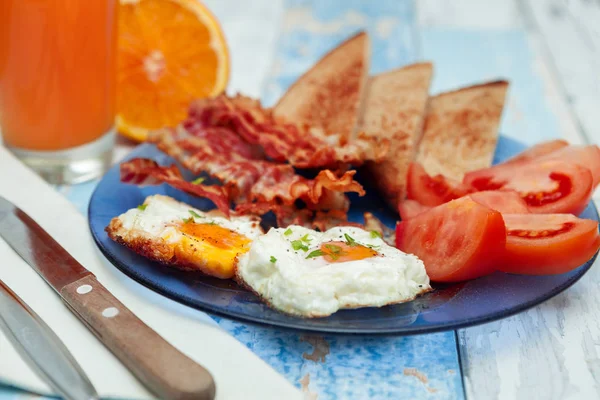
(195, 214)
(288, 232)
(350, 240)
(375, 234)
(142, 207)
(306, 239)
(188, 220)
(273, 259)
(335, 251)
(298, 245)
(333, 248)
(198, 181)
(314, 253)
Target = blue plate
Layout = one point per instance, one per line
(448, 307)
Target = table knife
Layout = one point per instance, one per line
(42, 349)
(165, 371)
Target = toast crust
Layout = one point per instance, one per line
(395, 107)
(461, 129)
(328, 96)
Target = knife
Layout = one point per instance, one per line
(42, 349)
(165, 371)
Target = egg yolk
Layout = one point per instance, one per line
(215, 235)
(342, 251)
(210, 248)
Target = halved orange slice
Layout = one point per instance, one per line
(169, 53)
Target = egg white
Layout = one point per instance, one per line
(159, 215)
(313, 287)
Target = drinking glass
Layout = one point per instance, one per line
(57, 85)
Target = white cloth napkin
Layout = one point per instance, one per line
(239, 374)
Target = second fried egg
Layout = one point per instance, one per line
(307, 273)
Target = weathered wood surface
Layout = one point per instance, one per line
(549, 49)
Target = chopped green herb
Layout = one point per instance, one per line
(288, 232)
(298, 245)
(198, 181)
(195, 214)
(315, 253)
(333, 248)
(188, 220)
(142, 207)
(210, 223)
(350, 240)
(375, 234)
(306, 239)
(273, 259)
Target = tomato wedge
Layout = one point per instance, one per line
(411, 208)
(457, 241)
(504, 201)
(432, 190)
(585, 156)
(548, 187)
(548, 244)
(536, 151)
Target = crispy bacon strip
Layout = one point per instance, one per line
(217, 151)
(142, 171)
(249, 179)
(302, 147)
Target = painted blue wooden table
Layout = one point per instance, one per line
(548, 352)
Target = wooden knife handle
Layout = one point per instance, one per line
(163, 369)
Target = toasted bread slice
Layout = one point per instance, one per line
(461, 129)
(395, 107)
(328, 96)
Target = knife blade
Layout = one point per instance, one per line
(41, 349)
(164, 370)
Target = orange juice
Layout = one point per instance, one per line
(57, 72)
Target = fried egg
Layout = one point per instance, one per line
(307, 273)
(177, 234)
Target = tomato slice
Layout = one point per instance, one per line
(504, 201)
(548, 244)
(457, 241)
(536, 151)
(585, 156)
(548, 187)
(411, 208)
(432, 190)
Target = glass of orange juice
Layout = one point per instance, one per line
(57, 85)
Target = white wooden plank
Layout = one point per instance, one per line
(463, 14)
(571, 32)
(554, 96)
